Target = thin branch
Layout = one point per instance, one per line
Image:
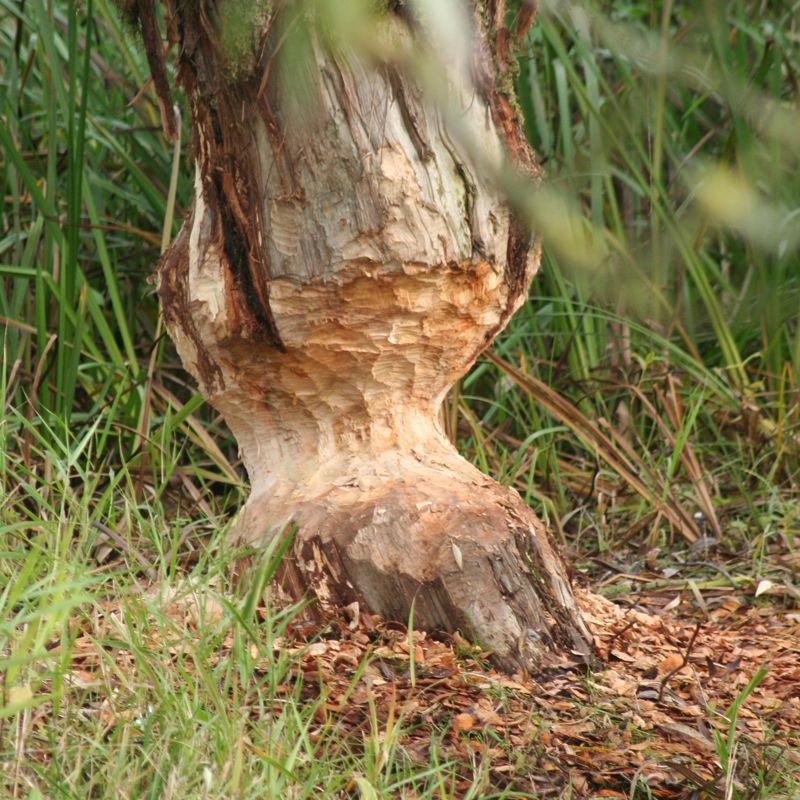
(685, 661)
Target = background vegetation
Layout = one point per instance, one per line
(645, 400)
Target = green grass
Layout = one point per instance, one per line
(670, 134)
(133, 666)
(670, 345)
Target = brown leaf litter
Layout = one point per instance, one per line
(646, 723)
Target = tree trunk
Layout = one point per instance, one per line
(347, 258)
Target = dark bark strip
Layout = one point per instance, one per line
(412, 111)
(257, 325)
(144, 12)
(520, 241)
(494, 84)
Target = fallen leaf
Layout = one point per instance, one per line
(622, 656)
(17, 695)
(574, 729)
(463, 722)
(317, 649)
(764, 585)
(670, 663)
(578, 781)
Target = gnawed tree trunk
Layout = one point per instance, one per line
(346, 260)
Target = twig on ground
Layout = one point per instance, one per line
(126, 547)
(616, 636)
(683, 663)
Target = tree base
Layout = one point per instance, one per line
(464, 552)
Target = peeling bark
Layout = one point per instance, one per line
(333, 280)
